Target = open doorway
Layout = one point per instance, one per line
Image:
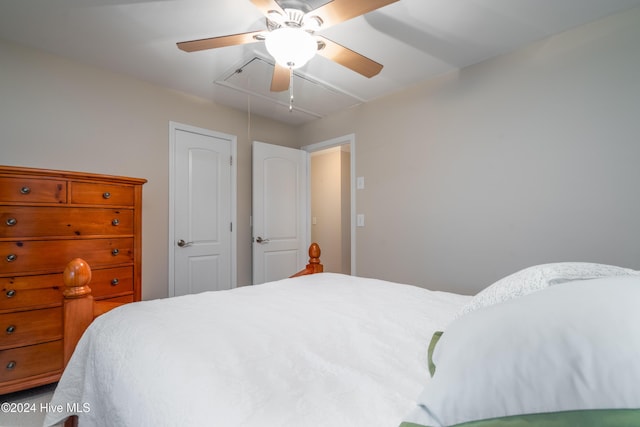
(332, 202)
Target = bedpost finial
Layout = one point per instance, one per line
(76, 277)
(314, 253)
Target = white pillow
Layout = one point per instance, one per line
(568, 354)
(538, 277)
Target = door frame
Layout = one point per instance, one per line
(173, 127)
(349, 139)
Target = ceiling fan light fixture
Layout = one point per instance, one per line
(291, 47)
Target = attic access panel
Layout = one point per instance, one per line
(305, 6)
(310, 96)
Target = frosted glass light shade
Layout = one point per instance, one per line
(291, 47)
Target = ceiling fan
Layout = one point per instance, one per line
(291, 36)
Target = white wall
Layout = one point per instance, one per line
(527, 158)
(345, 210)
(58, 114)
(330, 208)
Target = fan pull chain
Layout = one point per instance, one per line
(290, 89)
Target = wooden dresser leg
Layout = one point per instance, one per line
(72, 421)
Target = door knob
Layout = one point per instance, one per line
(184, 244)
(261, 240)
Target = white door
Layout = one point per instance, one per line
(279, 212)
(202, 239)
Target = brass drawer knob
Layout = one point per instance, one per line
(115, 222)
(106, 195)
(12, 257)
(25, 190)
(114, 282)
(10, 293)
(11, 365)
(115, 252)
(11, 222)
(10, 329)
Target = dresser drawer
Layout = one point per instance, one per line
(29, 190)
(112, 281)
(20, 222)
(30, 327)
(32, 360)
(40, 256)
(30, 291)
(101, 194)
(124, 299)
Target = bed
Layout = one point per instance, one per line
(333, 350)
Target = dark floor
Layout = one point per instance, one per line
(32, 414)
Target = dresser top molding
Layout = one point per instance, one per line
(51, 173)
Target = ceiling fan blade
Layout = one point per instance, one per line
(337, 11)
(222, 41)
(348, 58)
(267, 5)
(281, 78)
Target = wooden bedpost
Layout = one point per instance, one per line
(314, 265)
(78, 304)
(79, 310)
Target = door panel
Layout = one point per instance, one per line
(280, 264)
(201, 269)
(279, 211)
(204, 195)
(280, 177)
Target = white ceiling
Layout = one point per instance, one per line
(414, 39)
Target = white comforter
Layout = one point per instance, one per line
(319, 350)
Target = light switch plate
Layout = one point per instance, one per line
(360, 182)
(360, 220)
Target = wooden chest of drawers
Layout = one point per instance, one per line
(48, 218)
